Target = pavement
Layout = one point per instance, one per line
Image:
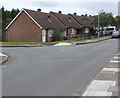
(3, 58)
(106, 82)
(62, 43)
(54, 71)
(92, 40)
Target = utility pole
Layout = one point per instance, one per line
(99, 22)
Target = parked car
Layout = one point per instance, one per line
(108, 30)
(116, 34)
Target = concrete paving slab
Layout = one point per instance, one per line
(103, 82)
(103, 76)
(111, 69)
(116, 57)
(97, 93)
(113, 89)
(115, 94)
(113, 65)
(98, 88)
(113, 61)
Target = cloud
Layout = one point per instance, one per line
(66, 6)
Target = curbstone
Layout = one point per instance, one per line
(4, 60)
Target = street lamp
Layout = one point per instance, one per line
(99, 22)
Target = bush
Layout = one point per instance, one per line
(57, 35)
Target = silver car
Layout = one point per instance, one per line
(116, 34)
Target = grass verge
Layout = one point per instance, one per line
(41, 43)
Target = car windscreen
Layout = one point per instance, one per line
(109, 28)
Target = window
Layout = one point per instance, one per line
(64, 33)
(50, 33)
(86, 30)
(72, 30)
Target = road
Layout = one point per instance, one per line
(54, 71)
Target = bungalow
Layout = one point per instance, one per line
(37, 26)
(70, 24)
(30, 26)
(84, 22)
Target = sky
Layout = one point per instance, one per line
(90, 7)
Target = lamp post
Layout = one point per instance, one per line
(99, 22)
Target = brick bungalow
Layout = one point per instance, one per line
(32, 26)
(84, 22)
(70, 24)
(37, 26)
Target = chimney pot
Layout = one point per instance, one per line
(39, 10)
(75, 13)
(60, 12)
(89, 15)
(85, 14)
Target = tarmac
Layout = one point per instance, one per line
(104, 84)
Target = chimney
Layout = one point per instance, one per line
(75, 13)
(90, 16)
(60, 12)
(85, 14)
(39, 10)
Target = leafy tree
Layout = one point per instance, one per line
(105, 19)
(117, 22)
(6, 17)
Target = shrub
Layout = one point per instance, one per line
(57, 35)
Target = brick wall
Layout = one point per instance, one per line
(23, 29)
(71, 35)
(49, 39)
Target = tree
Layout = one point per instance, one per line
(104, 18)
(7, 16)
(117, 22)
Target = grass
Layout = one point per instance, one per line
(20, 43)
(40, 43)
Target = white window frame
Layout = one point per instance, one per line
(50, 33)
(87, 30)
(72, 31)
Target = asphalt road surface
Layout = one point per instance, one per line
(54, 71)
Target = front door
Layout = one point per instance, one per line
(43, 35)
